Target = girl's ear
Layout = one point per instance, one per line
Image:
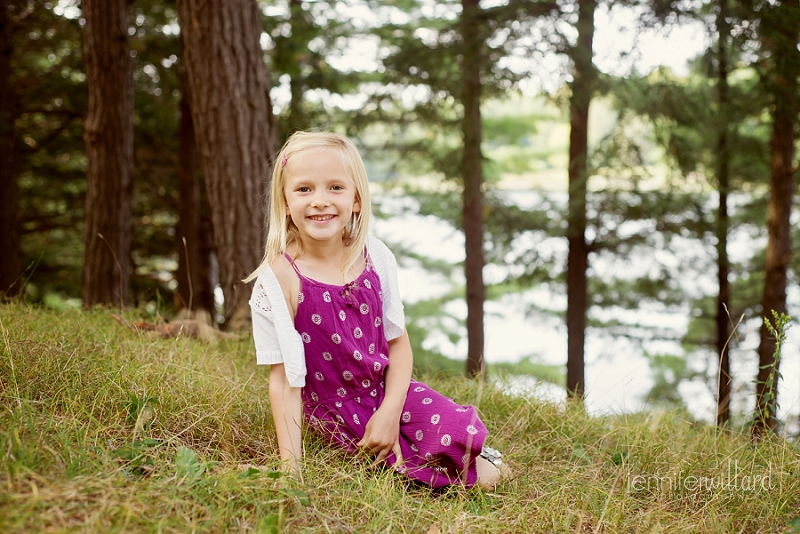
(357, 204)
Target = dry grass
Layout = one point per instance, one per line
(105, 430)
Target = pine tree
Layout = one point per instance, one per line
(109, 151)
(232, 115)
(10, 267)
(583, 81)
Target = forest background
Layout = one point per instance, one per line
(652, 207)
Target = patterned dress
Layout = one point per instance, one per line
(347, 356)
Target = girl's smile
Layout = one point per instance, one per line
(322, 218)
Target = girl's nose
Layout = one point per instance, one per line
(320, 200)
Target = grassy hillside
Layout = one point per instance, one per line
(107, 430)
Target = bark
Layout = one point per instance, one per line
(723, 177)
(473, 178)
(782, 42)
(232, 114)
(195, 289)
(297, 119)
(578, 255)
(10, 267)
(108, 134)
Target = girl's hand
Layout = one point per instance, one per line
(382, 435)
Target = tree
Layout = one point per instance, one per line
(723, 183)
(472, 173)
(779, 29)
(10, 267)
(194, 239)
(232, 115)
(578, 257)
(109, 151)
(293, 57)
(456, 62)
(301, 39)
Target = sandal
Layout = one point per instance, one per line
(493, 456)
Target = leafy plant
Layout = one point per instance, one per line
(141, 411)
(777, 329)
(188, 465)
(135, 454)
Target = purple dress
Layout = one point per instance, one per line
(346, 359)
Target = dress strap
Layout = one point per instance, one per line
(294, 265)
(367, 259)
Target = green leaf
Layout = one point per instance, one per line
(141, 409)
(618, 457)
(251, 472)
(269, 524)
(135, 449)
(128, 452)
(301, 495)
(274, 474)
(187, 463)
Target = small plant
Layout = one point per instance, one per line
(136, 456)
(768, 405)
(188, 465)
(141, 411)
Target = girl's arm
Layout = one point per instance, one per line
(382, 432)
(285, 401)
(287, 408)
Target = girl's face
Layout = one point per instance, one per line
(320, 196)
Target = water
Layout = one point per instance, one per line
(618, 375)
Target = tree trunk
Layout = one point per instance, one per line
(299, 47)
(195, 289)
(232, 114)
(578, 256)
(10, 267)
(782, 43)
(473, 179)
(723, 178)
(108, 135)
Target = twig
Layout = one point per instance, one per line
(188, 272)
(119, 267)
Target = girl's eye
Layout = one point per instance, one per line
(337, 187)
(303, 189)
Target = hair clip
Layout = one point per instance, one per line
(283, 161)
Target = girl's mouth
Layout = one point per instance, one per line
(321, 218)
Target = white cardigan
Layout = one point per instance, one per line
(274, 334)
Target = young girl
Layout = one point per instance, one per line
(328, 319)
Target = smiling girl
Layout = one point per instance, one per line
(328, 319)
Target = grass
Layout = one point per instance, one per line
(105, 430)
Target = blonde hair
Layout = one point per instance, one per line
(281, 231)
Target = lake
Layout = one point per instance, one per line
(618, 375)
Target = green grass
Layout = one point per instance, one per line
(106, 430)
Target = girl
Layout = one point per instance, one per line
(328, 319)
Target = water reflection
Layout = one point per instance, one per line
(618, 374)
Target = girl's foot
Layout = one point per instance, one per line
(491, 468)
